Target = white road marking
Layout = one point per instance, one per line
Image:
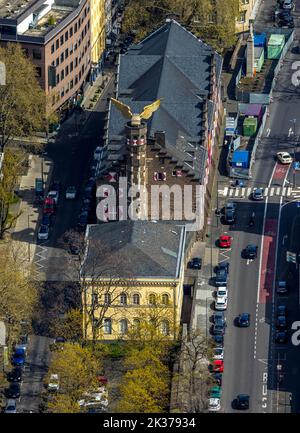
(243, 191)
(225, 190)
(283, 191)
(231, 192)
(236, 193)
(272, 191)
(249, 191)
(284, 238)
(266, 191)
(278, 191)
(248, 261)
(268, 132)
(289, 190)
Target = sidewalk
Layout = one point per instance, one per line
(24, 232)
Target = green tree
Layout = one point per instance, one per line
(11, 169)
(69, 327)
(63, 403)
(77, 369)
(22, 101)
(211, 20)
(18, 294)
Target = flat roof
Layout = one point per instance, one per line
(13, 8)
(59, 13)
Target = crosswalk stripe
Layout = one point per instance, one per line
(236, 193)
(266, 190)
(249, 191)
(272, 191)
(289, 191)
(283, 190)
(243, 191)
(278, 191)
(225, 191)
(230, 192)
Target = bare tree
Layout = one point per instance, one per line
(194, 379)
(104, 284)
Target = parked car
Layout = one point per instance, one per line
(288, 23)
(195, 263)
(281, 336)
(230, 213)
(222, 271)
(15, 375)
(18, 357)
(219, 317)
(281, 310)
(43, 232)
(218, 366)
(11, 406)
(71, 193)
(219, 339)
(55, 186)
(218, 378)
(54, 195)
(218, 353)
(46, 219)
(97, 153)
(250, 252)
(49, 205)
(242, 401)
(288, 4)
(222, 291)
(258, 194)
(221, 303)
(244, 320)
(215, 392)
(14, 390)
(53, 384)
(284, 157)
(281, 287)
(219, 329)
(225, 241)
(281, 323)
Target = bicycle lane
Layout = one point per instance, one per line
(265, 307)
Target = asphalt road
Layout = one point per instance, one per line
(72, 156)
(251, 355)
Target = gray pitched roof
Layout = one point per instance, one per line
(139, 248)
(174, 65)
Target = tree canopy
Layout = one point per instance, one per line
(211, 20)
(22, 101)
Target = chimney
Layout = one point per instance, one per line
(160, 138)
(250, 51)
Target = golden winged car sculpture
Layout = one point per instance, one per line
(134, 117)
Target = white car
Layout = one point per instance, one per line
(97, 153)
(54, 195)
(222, 291)
(284, 157)
(98, 397)
(214, 404)
(218, 353)
(71, 192)
(53, 384)
(11, 406)
(43, 233)
(221, 303)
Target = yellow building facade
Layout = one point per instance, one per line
(97, 30)
(126, 307)
(245, 12)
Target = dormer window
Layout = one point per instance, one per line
(177, 173)
(160, 176)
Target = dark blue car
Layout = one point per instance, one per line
(18, 357)
(244, 320)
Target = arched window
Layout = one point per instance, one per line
(123, 299)
(107, 326)
(152, 299)
(123, 325)
(136, 323)
(165, 327)
(107, 298)
(165, 299)
(136, 299)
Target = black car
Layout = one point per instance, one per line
(218, 378)
(46, 219)
(222, 274)
(230, 216)
(250, 252)
(219, 328)
(242, 401)
(13, 391)
(219, 339)
(55, 186)
(244, 320)
(281, 287)
(195, 263)
(288, 22)
(281, 322)
(219, 318)
(15, 375)
(281, 310)
(281, 336)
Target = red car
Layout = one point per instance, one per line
(225, 241)
(49, 205)
(218, 366)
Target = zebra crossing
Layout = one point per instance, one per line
(267, 192)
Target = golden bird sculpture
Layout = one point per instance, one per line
(134, 117)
